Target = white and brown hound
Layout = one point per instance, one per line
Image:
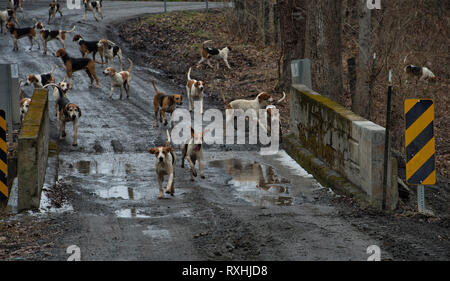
(24, 103)
(208, 53)
(16, 5)
(120, 79)
(165, 165)
(194, 89)
(94, 6)
(68, 112)
(6, 16)
(19, 33)
(40, 80)
(48, 35)
(192, 151)
(111, 50)
(54, 7)
(262, 100)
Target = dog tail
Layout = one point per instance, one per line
(168, 137)
(154, 86)
(97, 62)
(207, 41)
(54, 68)
(56, 86)
(131, 65)
(189, 73)
(282, 99)
(73, 28)
(227, 105)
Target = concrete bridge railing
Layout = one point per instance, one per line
(33, 152)
(351, 146)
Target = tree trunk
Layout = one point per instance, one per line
(292, 17)
(361, 99)
(324, 48)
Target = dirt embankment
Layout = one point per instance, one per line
(172, 43)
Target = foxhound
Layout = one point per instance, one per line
(40, 80)
(194, 89)
(192, 151)
(421, 73)
(87, 47)
(19, 33)
(120, 79)
(68, 112)
(54, 7)
(6, 16)
(59, 91)
(94, 7)
(110, 50)
(262, 99)
(76, 64)
(16, 5)
(208, 53)
(165, 165)
(24, 103)
(163, 103)
(48, 35)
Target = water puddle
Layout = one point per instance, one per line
(131, 213)
(156, 233)
(120, 191)
(256, 182)
(114, 167)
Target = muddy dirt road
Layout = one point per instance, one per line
(249, 207)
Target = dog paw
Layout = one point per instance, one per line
(203, 177)
(75, 144)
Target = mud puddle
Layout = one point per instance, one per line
(256, 183)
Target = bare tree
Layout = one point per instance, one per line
(361, 99)
(324, 47)
(292, 16)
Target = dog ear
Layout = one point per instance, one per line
(168, 149)
(152, 150)
(192, 132)
(79, 110)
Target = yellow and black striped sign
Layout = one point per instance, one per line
(4, 193)
(420, 142)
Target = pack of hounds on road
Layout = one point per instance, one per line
(164, 104)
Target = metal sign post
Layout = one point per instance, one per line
(420, 146)
(421, 198)
(165, 6)
(386, 140)
(207, 6)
